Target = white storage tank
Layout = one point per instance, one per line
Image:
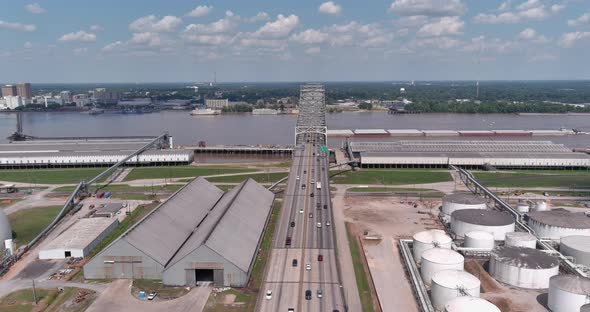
(439, 259)
(568, 293)
(459, 201)
(521, 239)
(541, 205)
(492, 221)
(5, 229)
(576, 246)
(450, 284)
(585, 308)
(427, 240)
(470, 304)
(554, 224)
(522, 206)
(479, 239)
(523, 267)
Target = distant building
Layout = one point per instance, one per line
(103, 96)
(9, 90)
(135, 102)
(265, 111)
(66, 96)
(216, 103)
(53, 100)
(24, 90)
(13, 102)
(81, 100)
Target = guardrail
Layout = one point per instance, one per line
(419, 287)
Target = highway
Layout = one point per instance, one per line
(304, 233)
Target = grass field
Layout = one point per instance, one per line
(111, 188)
(523, 180)
(362, 281)
(49, 300)
(26, 224)
(259, 177)
(391, 177)
(50, 176)
(400, 191)
(180, 172)
(149, 286)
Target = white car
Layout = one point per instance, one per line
(319, 224)
(297, 178)
(300, 210)
(328, 223)
(269, 294)
(308, 267)
(152, 295)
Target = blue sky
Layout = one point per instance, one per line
(279, 40)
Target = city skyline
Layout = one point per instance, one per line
(153, 41)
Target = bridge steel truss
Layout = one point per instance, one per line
(312, 114)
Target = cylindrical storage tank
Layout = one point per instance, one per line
(521, 239)
(439, 259)
(541, 205)
(522, 206)
(427, 240)
(5, 229)
(479, 239)
(450, 284)
(585, 308)
(459, 201)
(523, 267)
(568, 293)
(577, 246)
(491, 221)
(470, 304)
(557, 223)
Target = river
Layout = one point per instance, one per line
(245, 129)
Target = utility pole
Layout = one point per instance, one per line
(34, 292)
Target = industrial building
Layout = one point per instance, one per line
(200, 234)
(469, 154)
(78, 240)
(5, 229)
(88, 153)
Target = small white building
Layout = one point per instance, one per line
(79, 239)
(13, 102)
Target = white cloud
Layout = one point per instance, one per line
(330, 8)
(28, 45)
(411, 21)
(280, 28)
(344, 28)
(220, 26)
(584, 19)
(556, 8)
(151, 23)
(504, 6)
(255, 42)
(148, 38)
(313, 50)
(310, 36)
(529, 10)
(530, 34)
(495, 45)
(260, 17)
(569, 39)
(428, 7)
(442, 27)
(201, 10)
(17, 26)
(213, 40)
(542, 57)
(34, 8)
(96, 28)
(444, 43)
(79, 36)
(377, 41)
(113, 46)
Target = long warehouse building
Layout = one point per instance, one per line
(200, 234)
(470, 154)
(88, 153)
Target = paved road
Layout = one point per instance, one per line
(304, 232)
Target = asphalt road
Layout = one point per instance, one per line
(307, 222)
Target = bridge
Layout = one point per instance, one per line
(303, 273)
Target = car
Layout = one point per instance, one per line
(545, 194)
(304, 171)
(311, 195)
(303, 186)
(320, 293)
(325, 206)
(152, 295)
(124, 205)
(91, 207)
(300, 210)
(327, 223)
(308, 267)
(292, 223)
(291, 310)
(297, 178)
(320, 258)
(319, 224)
(269, 294)
(294, 263)
(323, 168)
(312, 181)
(311, 215)
(288, 241)
(308, 294)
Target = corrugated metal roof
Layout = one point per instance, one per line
(237, 234)
(162, 232)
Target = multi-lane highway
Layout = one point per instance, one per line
(304, 234)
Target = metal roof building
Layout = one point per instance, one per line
(78, 240)
(199, 234)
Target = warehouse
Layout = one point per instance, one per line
(201, 234)
(78, 240)
(89, 153)
(469, 154)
